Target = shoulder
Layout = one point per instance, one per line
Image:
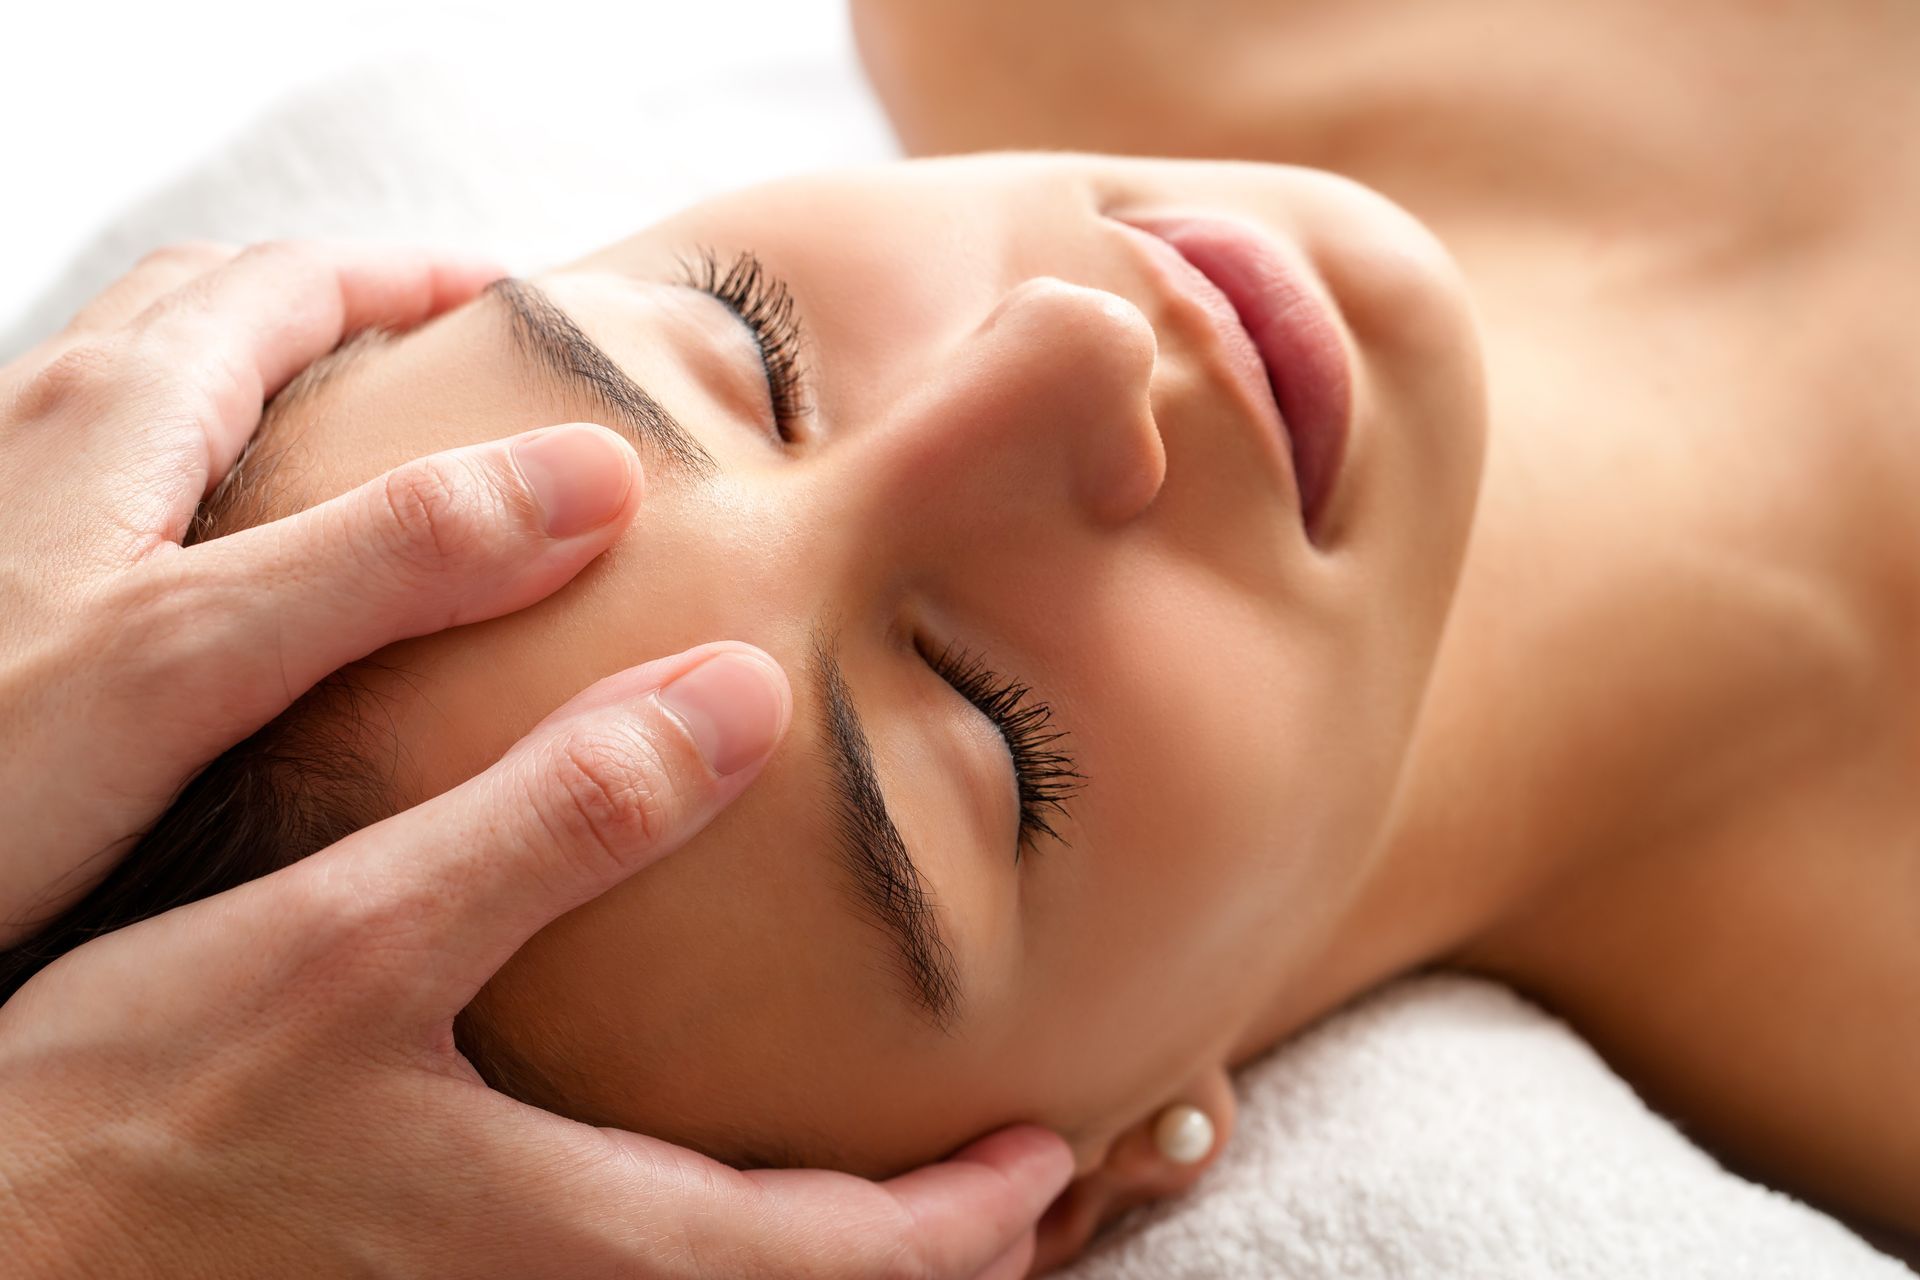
(1759, 981)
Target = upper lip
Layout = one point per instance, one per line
(1231, 348)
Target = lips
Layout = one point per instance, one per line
(1297, 379)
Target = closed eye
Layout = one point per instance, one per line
(1043, 770)
(764, 304)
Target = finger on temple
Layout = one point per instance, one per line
(241, 332)
(453, 538)
(622, 775)
(152, 278)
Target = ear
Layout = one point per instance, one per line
(1131, 1171)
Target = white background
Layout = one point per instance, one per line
(103, 102)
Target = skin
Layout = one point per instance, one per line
(1023, 442)
(1665, 781)
(1607, 657)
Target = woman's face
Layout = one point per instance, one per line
(1014, 442)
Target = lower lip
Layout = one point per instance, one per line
(1293, 329)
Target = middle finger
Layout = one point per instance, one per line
(151, 279)
(241, 332)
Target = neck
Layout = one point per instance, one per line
(1634, 655)
(1601, 647)
(1521, 772)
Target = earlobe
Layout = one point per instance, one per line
(1158, 1156)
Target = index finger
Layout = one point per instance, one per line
(619, 777)
(240, 332)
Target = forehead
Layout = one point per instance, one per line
(743, 944)
(741, 950)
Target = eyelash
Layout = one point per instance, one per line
(764, 304)
(1044, 772)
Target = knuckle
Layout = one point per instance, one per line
(896, 1252)
(191, 255)
(428, 516)
(284, 256)
(83, 376)
(894, 1257)
(201, 379)
(143, 624)
(346, 926)
(612, 790)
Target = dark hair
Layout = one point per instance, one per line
(292, 788)
(320, 771)
(287, 791)
(310, 778)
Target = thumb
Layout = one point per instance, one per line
(623, 774)
(449, 539)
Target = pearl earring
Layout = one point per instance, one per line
(1184, 1134)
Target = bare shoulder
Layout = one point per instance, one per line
(1870, 358)
(1755, 972)
(1761, 986)
(1637, 107)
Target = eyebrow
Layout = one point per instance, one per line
(889, 884)
(874, 853)
(548, 337)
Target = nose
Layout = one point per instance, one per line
(1041, 414)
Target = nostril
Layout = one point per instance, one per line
(1127, 476)
(1075, 366)
(1127, 463)
(1105, 349)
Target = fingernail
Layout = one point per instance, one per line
(578, 474)
(732, 705)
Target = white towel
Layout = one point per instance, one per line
(1439, 1127)
(1444, 1127)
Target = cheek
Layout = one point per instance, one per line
(727, 996)
(1209, 719)
(1238, 774)
(690, 999)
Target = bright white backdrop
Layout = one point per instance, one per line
(104, 103)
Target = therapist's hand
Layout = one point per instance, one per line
(264, 1083)
(127, 661)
